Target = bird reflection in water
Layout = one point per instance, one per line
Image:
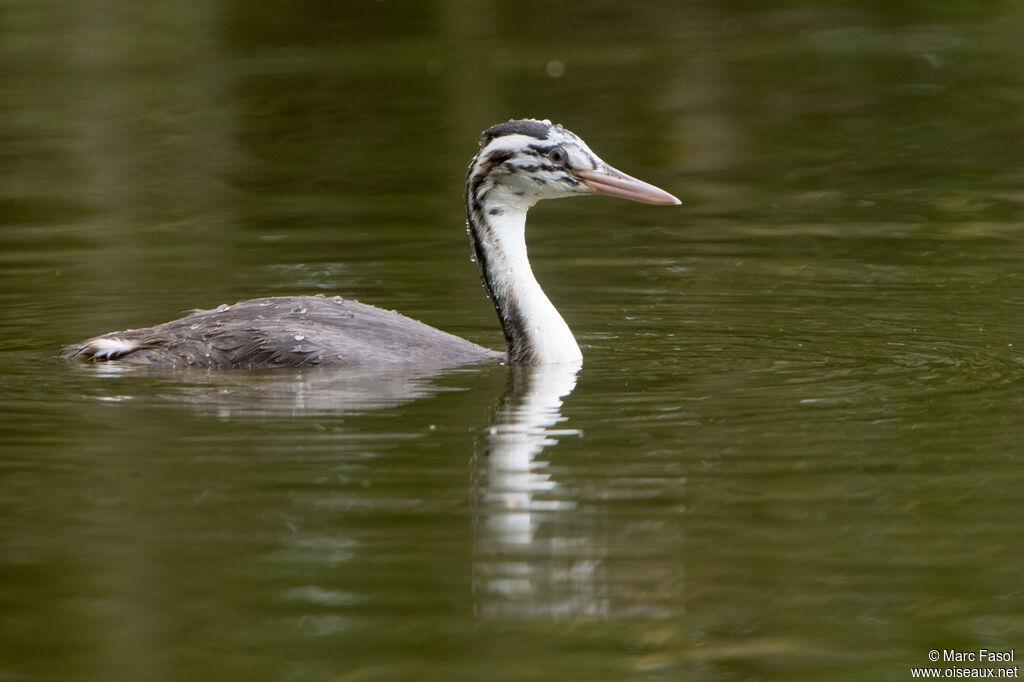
(545, 549)
(519, 573)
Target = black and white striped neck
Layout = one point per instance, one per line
(520, 163)
(535, 332)
(511, 173)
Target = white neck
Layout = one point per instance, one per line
(534, 331)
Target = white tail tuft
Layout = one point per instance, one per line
(107, 348)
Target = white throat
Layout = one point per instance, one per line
(534, 331)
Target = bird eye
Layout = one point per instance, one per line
(558, 156)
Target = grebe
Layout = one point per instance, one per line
(519, 163)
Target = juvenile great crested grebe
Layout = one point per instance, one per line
(519, 163)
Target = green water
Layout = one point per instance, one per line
(793, 451)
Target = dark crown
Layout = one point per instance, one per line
(526, 126)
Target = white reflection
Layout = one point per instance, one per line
(516, 573)
(522, 430)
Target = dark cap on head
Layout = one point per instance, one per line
(526, 126)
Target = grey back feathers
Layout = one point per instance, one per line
(285, 331)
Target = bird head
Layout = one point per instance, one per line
(527, 160)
